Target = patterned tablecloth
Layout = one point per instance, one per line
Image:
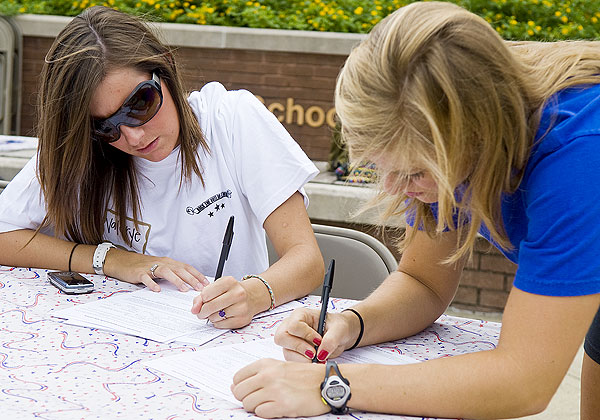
(51, 370)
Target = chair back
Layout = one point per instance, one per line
(361, 261)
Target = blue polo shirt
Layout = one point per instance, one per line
(553, 219)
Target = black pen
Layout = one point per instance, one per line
(227, 240)
(327, 285)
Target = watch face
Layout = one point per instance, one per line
(335, 392)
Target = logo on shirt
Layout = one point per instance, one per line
(137, 236)
(212, 204)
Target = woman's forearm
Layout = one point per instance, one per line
(414, 308)
(490, 386)
(24, 248)
(298, 272)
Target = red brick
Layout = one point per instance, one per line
(466, 295)
(493, 299)
(473, 262)
(482, 280)
(497, 263)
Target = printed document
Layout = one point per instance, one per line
(163, 316)
(212, 369)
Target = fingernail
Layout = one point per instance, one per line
(323, 355)
(309, 354)
(317, 341)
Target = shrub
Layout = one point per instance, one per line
(513, 19)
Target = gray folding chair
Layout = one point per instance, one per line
(361, 261)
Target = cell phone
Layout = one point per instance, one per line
(70, 282)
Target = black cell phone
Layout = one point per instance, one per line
(70, 282)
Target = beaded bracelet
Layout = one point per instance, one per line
(271, 295)
(362, 327)
(71, 255)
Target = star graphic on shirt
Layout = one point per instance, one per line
(210, 214)
(222, 206)
(217, 207)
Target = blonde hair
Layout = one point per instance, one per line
(435, 84)
(78, 175)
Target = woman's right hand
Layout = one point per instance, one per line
(135, 268)
(298, 335)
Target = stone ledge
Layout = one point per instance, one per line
(207, 36)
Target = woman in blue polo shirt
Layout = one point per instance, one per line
(472, 135)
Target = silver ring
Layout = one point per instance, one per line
(152, 269)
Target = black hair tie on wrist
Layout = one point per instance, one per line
(71, 255)
(362, 327)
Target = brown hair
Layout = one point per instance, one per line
(78, 176)
(435, 84)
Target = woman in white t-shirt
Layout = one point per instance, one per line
(135, 181)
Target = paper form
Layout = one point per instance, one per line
(212, 369)
(162, 317)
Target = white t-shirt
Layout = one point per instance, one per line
(252, 168)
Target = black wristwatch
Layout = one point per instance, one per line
(335, 389)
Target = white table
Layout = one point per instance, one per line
(52, 370)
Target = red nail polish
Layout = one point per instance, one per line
(309, 354)
(323, 355)
(317, 341)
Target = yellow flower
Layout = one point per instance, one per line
(322, 13)
(22, 10)
(358, 10)
(565, 31)
(530, 32)
(557, 13)
(193, 7)
(538, 28)
(564, 19)
(594, 19)
(513, 22)
(579, 28)
(373, 12)
(531, 23)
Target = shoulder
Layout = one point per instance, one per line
(214, 100)
(568, 115)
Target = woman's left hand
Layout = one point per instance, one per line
(271, 388)
(227, 303)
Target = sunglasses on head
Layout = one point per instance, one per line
(140, 106)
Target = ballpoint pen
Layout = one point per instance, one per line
(327, 285)
(227, 240)
(225, 249)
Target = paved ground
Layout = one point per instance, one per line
(565, 403)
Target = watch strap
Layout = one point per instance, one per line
(100, 257)
(337, 407)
